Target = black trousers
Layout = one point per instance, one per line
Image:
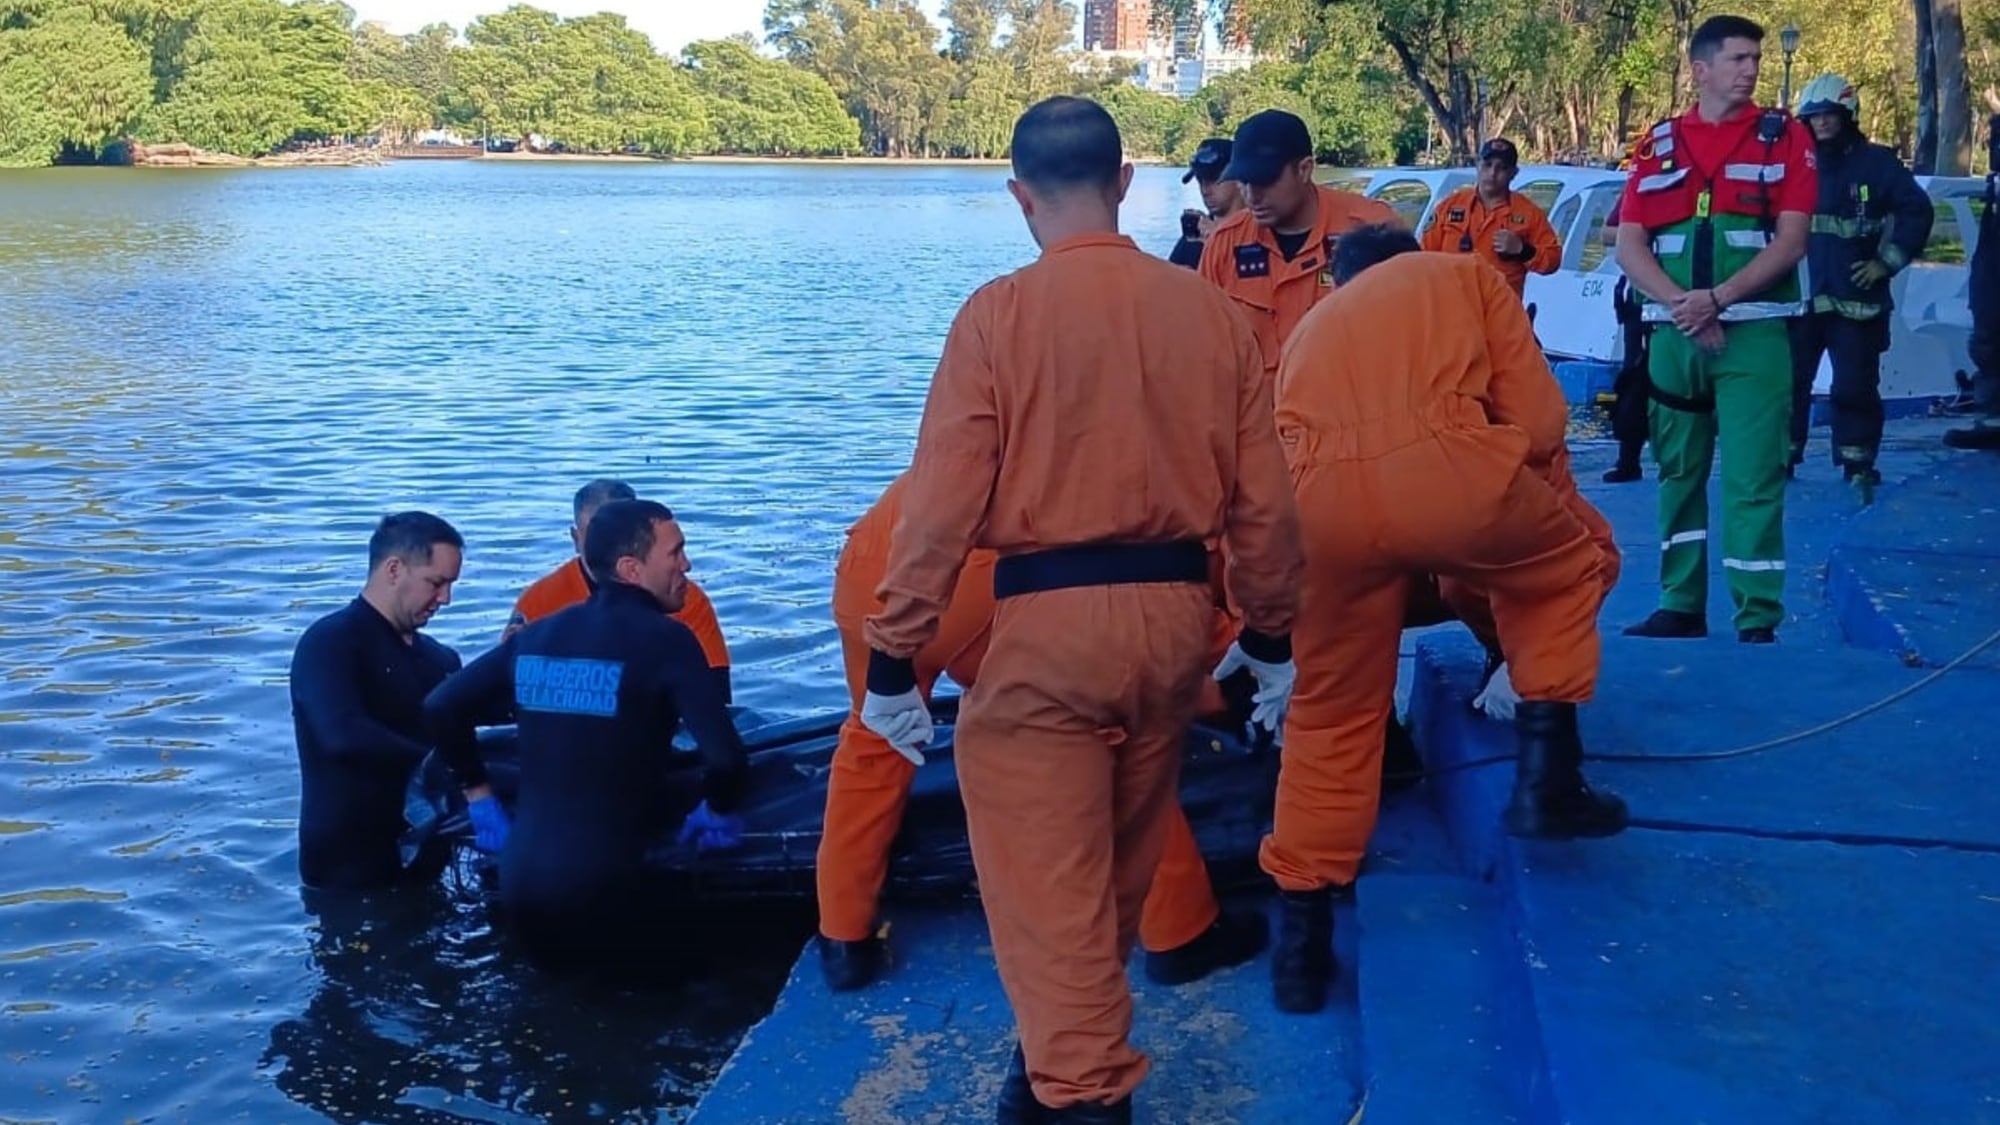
(1856, 347)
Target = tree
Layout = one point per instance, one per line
(69, 78)
(759, 105)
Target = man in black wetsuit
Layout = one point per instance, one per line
(358, 681)
(597, 690)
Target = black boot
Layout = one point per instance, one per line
(1017, 1099)
(1670, 624)
(1302, 959)
(1231, 940)
(848, 965)
(1623, 473)
(1551, 801)
(1093, 1113)
(1402, 769)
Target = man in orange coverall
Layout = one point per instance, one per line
(568, 585)
(1416, 413)
(1275, 257)
(1506, 230)
(1185, 932)
(1098, 418)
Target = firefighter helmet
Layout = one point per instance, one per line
(1827, 93)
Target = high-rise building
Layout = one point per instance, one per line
(1188, 31)
(1117, 25)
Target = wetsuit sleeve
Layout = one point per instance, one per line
(1522, 392)
(1910, 214)
(1265, 559)
(945, 497)
(690, 685)
(480, 694)
(331, 701)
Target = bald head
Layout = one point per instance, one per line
(1066, 144)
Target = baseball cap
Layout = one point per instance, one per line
(1501, 149)
(1267, 143)
(1208, 161)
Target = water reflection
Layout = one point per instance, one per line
(421, 1013)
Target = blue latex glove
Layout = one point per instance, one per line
(711, 831)
(489, 824)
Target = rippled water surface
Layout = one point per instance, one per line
(211, 385)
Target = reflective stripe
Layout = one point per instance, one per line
(1655, 313)
(1661, 181)
(1761, 310)
(1754, 564)
(1683, 538)
(1747, 239)
(1664, 129)
(1892, 256)
(1669, 244)
(1770, 173)
(1663, 147)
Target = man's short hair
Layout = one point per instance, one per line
(1707, 38)
(1065, 142)
(1367, 246)
(620, 528)
(600, 492)
(410, 536)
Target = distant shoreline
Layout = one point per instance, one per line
(621, 158)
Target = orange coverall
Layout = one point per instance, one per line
(567, 585)
(1415, 409)
(1278, 294)
(1470, 605)
(1461, 218)
(1097, 397)
(870, 783)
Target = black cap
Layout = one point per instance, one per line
(1501, 149)
(1208, 161)
(1266, 144)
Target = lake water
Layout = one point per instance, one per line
(211, 385)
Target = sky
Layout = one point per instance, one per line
(672, 24)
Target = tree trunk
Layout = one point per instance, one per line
(1954, 89)
(1450, 119)
(1924, 160)
(1626, 98)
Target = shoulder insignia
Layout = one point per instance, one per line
(1455, 215)
(1253, 260)
(1664, 128)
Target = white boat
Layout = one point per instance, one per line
(1927, 356)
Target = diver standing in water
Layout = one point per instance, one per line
(358, 680)
(597, 690)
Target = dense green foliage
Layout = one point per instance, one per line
(1378, 79)
(1576, 78)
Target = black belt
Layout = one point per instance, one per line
(1100, 564)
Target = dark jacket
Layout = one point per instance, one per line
(1870, 207)
(597, 690)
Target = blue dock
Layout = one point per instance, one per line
(1804, 933)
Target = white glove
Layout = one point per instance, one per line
(904, 721)
(1498, 697)
(1274, 687)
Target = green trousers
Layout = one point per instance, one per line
(1744, 397)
